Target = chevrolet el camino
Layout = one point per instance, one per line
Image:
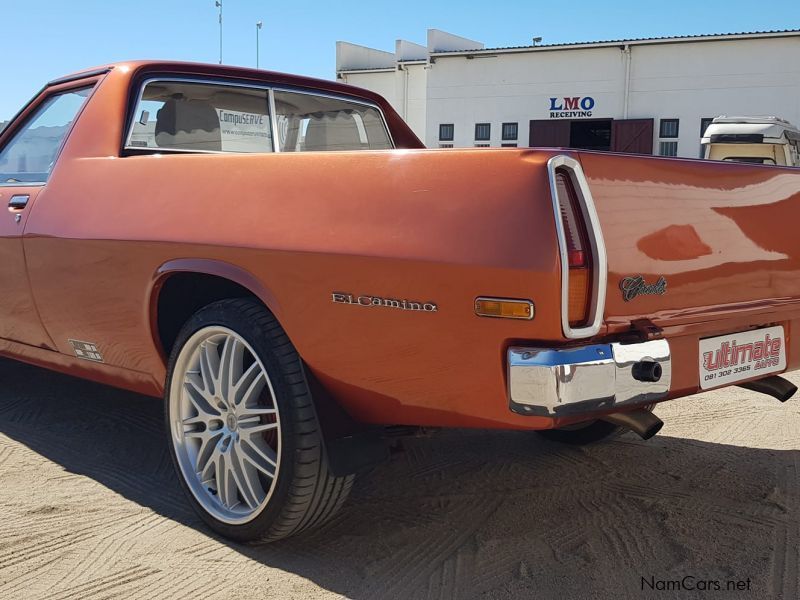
(283, 262)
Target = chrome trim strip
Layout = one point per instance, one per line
(517, 300)
(549, 382)
(80, 75)
(273, 119)
(600, 260)
(225, 82)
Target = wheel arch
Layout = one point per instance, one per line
(204, 281)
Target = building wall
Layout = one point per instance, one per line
(690, 81)
(518, 88)
(405, 88)
(685, 80)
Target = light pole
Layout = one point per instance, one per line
(218, 4)
(259, 25)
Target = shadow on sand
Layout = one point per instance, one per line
(468, 513)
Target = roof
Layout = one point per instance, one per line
(705, 37)
(773, 128)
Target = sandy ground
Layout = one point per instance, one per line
(92, 510)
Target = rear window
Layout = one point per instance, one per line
(198, 117)
(756, 160)
(309, 122)
(189, 116)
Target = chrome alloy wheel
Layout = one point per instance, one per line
(225, 424)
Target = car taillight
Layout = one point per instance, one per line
(577, 248)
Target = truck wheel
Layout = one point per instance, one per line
(242, 429)
(583, 434)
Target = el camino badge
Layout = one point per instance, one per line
(635, 286)
(377, 301)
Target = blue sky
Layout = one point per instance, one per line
(43, 39)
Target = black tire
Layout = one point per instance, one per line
(304, 494)
(584, 434)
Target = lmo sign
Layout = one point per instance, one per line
(571, 108)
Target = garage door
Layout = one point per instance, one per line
(632, 135)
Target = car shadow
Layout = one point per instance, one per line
(466, 514)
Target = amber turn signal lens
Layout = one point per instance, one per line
(507, 309)
(578, 308)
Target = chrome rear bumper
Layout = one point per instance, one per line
(549, 382)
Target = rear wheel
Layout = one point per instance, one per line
(242, 428)
(583, 434)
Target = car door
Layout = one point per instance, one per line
(27, 155)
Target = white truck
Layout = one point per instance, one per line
(760, 140)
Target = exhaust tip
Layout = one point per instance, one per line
(641, 421)
(774, 385)
(647, 370)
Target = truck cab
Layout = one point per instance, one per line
(760, 140)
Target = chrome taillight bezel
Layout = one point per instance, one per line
(599, 260)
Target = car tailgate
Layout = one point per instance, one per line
(690, 241)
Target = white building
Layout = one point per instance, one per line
(645, 95)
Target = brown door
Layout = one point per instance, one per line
(632, 135)
(549, 133)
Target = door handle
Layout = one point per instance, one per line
(18, 201)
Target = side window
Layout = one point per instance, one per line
(30, 154)
(307, 122)
(201, 117)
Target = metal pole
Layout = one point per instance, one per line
(259, 24)
(218, 3)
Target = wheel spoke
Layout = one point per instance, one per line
(198, 419)
(247, 414)
(248, 431)
(221, 476)
(198, 395)
(209, 441)
(207, 471)
(263, 460)
(209, 367)
(249, 385)
(239, 470)
(230, 366)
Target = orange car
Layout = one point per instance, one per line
(281, 259)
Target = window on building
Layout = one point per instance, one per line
(482, 145)
(668, 148)
(510, 131)
(483, 132)
(445, 145)
(446, 132)
(668, 128)
(704, 123)
(508, 145)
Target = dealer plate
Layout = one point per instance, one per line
(730, 358)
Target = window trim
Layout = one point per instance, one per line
(702, 120)
(503, 132)
(487, 138)
(661, 135)
(32, 109)
(128, 150)
(452, 137)
(662, 142)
